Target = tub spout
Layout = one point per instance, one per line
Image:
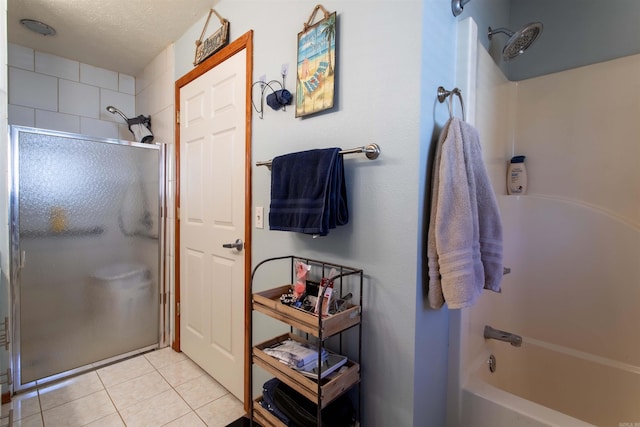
(496, 334)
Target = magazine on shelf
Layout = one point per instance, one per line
(332, 362)
(294, 353)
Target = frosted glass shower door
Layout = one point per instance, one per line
(85, 215)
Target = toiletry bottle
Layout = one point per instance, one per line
(517, 176)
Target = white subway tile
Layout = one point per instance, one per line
(99, 128)
(143, 99)
(21, 116)
(170, 56)
(157, 66)
(30, 89)
(142, 81)
(126, 84)
(164, 87)
(79, 99)
(57, 121)
(98, 77)
(124, 133)
(162, 125)
(20, 57)
(122, 101)
(57, 66)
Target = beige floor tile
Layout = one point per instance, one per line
(80, 411)
(222, 411)
(156, 411)
(30, 421)
(123, 371)
(164, 357)
(200, 391)
(112, 420)
(181, 372)
(189, 420)
(137, 389)
(68, 390)
(23, 405)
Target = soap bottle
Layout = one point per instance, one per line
(517, 176)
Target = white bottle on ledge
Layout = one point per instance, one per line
(517, 176)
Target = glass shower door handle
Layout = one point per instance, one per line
(238, 245)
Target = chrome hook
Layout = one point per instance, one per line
(443, 94)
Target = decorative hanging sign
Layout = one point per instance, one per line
(316, 64)
(213, 43)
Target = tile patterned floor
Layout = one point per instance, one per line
(161, 388)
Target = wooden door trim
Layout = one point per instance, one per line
(243, 42)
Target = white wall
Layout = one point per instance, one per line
(51, 92)
(379, 99)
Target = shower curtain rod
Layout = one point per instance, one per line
(372, 151)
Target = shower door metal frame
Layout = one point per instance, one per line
(17, 258)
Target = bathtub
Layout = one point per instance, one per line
(540, 384)
(577, 311)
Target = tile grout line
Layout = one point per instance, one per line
(104, 387)
(155, 369)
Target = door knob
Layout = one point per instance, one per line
(238, 245)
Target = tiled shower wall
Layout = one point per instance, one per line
(51, 92)
(155, 97)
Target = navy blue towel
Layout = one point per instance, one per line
(308, 192)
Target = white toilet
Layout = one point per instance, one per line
(121, 301)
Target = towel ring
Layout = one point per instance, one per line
(443, 94)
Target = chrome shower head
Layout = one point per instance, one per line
(114, 110)
(519, 41)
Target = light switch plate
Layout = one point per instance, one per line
(259, 217)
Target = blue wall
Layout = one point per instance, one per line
(382, 97)
(431, 326)
(576, 32)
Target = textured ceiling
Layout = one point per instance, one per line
(119, 35)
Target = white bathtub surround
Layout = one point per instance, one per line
(572, 246)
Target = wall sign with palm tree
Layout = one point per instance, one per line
(316, 64)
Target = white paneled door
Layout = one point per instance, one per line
(212, 215)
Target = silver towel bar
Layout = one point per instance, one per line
(372, 151)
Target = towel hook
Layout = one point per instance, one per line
(444, 94)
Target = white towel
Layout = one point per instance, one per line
(141, 133)
(464, 240)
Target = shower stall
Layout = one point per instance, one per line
(85, 247)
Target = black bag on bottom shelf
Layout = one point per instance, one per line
(303, 413)
(268, 403)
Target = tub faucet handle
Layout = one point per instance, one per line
(497, 334)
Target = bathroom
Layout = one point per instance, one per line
(387, 95)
